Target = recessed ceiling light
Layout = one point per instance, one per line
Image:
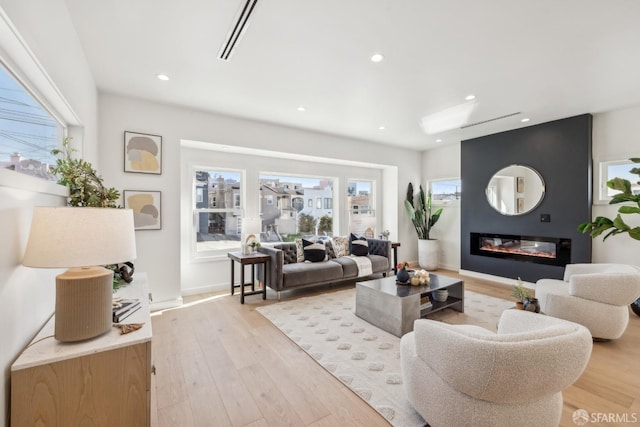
(377, 57)
(381, 127)
(525, 120)
(470, 97)
(301, 108)
(438, 140)
(163, 77)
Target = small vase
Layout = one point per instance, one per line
(532, 305)
(402, 276)
(519, 305)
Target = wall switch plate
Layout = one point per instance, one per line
(545, 218)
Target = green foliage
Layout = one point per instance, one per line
(519, 292)
(420, 212)
(325, 225)
(306, 223)
(85, 185)
(617, 225)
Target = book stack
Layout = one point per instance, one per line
(425, 302)
(125, 308)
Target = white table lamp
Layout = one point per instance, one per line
(83, 240)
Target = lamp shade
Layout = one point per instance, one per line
(252, 226)
(80, 237)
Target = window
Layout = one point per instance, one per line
(217, 209)
(362, 218)
(616, 169)
(28, 132)
(298, 212)
(328, 203)
(445, 190)
(269, 200)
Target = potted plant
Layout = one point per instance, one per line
(521, 294)
(85, 185)
(617, 225)
(423, 219)
(254, 245)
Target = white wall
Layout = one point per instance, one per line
(38, 42)
(159, 252)
(615, 137)
(440, 163)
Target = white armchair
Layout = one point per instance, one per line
(594, 295)
(464, 375)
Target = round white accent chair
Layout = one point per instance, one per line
(594, 295)
(465, 375)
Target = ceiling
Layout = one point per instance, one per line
(546, 60)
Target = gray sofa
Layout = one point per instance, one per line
(285, 273)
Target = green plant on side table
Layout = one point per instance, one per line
(521, 294)
(86, 189)
(617, 225)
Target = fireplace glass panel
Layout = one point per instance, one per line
(541, 250)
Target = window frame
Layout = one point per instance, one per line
(601, 196)
(429, 186)
(61, 126)
(205, 254)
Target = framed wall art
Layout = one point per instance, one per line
(146, 206)
(142, 153)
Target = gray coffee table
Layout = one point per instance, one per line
(394, 307)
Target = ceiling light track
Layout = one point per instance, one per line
(241, 22)
(490, 120)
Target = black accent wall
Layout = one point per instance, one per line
(561, 152)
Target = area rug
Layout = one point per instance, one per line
(365, 358)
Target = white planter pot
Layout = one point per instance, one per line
(428, 254)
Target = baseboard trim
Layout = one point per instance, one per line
(499, 279)
(205, 289)
(163, 305)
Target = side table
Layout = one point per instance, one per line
(253, 260)
(394, 246)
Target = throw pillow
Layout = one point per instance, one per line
(313, 252)
(340, 246)
(359, 245)
(299, 251)
(331, 254)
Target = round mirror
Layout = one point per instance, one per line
(515, 190)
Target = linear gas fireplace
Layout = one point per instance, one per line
(541, 250)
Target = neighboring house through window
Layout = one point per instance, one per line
(218, 212)
(360, 199)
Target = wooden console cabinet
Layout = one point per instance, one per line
(105, 381)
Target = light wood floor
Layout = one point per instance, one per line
(220, 363)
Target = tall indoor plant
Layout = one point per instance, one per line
(423, 219)
(617, 225)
